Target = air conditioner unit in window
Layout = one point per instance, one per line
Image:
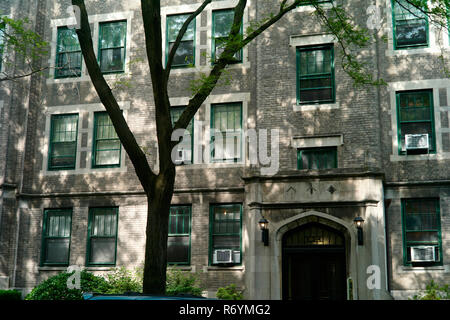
(423, 254)
(226, 256)
(416, 141)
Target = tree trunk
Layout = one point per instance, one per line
(158, 207)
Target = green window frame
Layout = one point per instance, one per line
(68, 54)
(410, 26)
(102, 236)
(112, 46)
(222, 20)
(225, 229)
(106, 149)
(415, 115)
(226, 120)
(185, 54)
(56, 235)
(317, 158)
(63, 142)
(421, 226)
(315, 74)
(175, 113)
(179, 238)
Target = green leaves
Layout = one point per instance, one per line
(229, 293)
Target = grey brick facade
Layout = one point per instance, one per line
(370, 180)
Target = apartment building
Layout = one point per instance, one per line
(357, 208)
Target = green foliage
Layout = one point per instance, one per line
(229, 293)
(55, 288)
(434, 292)
(183, 282)
(122, 280)
(19, 38)
(10, 295)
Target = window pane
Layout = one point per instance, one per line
(184, 54)
(223, 20)
(113, 34)
(226, 242)
(57, 251)
(410, 25)
(174, 24)
(324, 158)
(112, 59)
(422, 236)
(178, 249)
(102, 250)
(68, 55)
(316, 95)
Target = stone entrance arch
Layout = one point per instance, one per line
(281, 228)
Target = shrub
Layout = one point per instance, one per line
(434, 292)
(10, 295)
(229, 293)
(55, 288)
(183, 282)
(122, 280)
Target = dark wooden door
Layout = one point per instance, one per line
(317, 274)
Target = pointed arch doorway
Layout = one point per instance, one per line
(314, 263)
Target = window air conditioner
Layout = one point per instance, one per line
(423, 254)
(416, 141)
(226, 256)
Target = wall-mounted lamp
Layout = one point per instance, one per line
(264, 226)
(359, 223)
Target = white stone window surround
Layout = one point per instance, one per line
(434, 84)
(79, 109)
(317, 141)
(433, 48)
(201, 135)
(309, 40)
(95, 20)
(190, 8)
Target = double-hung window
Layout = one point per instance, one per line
(415, 117)
(422, 243)
(112, 45)
(317, 158)
(410, 25)
(226, 132)
(185, 54)
(179, 240)
(185, 147)
(315, 74)
(68, 54)
(102, 236)
(56, 237)
(222, 23)
(63, 141)
(226, 233)
(106, 147)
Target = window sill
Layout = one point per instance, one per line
(52, 268)
(315, 107)
(410, 51)
(415, 157)
(408, 269)
(223, 268)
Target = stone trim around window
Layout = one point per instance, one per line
(94, 20)
(203, 34)
(433, 33)
(85, 136)
(435, 85)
